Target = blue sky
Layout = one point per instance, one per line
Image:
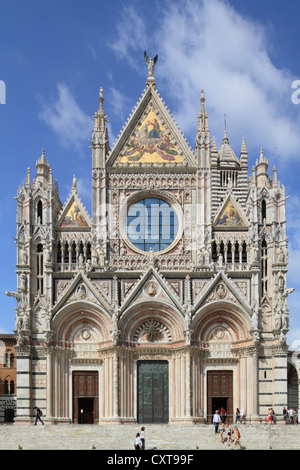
(55, 55)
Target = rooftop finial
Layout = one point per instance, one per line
(151, 63)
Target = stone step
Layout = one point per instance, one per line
(164, 437)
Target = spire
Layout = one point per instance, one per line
(43, 168)
(202, 117)
(226, 155)
(244, 154)
(262, 169)
(99, 116)
(275, 182)
(27, 184)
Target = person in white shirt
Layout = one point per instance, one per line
(137, 443)
(216, 421)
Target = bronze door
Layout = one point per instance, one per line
(219, 392)
(153, 392)
(85, 397)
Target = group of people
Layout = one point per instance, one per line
(140, 440)
(233, 435)
(291, 416)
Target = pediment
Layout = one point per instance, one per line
(74, 215)
(151, 287)
(230, 215)
(151, 138)
(79, 289)
(221, 289)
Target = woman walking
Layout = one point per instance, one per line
(237, 437)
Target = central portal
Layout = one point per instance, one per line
(153, 391)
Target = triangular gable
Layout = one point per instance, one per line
(221, 288)
(151, 137)
(151, 286)
(80, 289)
(74, 215)
(230, 215)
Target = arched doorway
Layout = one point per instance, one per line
(153, 391)
(292, 381)
(219, 392)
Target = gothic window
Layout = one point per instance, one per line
(222, 250)
(264, 267)
(151, 223)
(40, 269)
(236, 252)
(88, 251)
(244, 253)
(263, 209)
(73, 252)
(58, 253)
(12, 387)
(66, 253)
(40, 211)
(229, 252)
(214, 251)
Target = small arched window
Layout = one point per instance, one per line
(40, 211)
(264, 267)
(40, 269)
(263, 209)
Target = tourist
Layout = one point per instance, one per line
(223, 415)
(137, 443)
(142, 436)
(237, 416)
(284, 415)
(294, 416)
(222, 430)
(243, 415)
(38, 415)
(270, 415)
(216, 421)
(229, 434)
(237, 437)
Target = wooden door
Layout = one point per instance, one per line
(220, 392)
(85, 397)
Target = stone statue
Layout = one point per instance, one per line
(151, 63)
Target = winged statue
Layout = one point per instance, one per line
(151, 62)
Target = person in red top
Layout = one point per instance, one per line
(223, 415)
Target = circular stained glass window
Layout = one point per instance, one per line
(151, 223)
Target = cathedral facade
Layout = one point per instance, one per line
(170, 300)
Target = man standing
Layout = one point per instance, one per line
(216, 421)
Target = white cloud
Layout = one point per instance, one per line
(64, 116)
(205, 44)
(130, 35)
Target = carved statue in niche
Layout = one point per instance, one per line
(221, 291)
(23, 256)
(280, 255)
